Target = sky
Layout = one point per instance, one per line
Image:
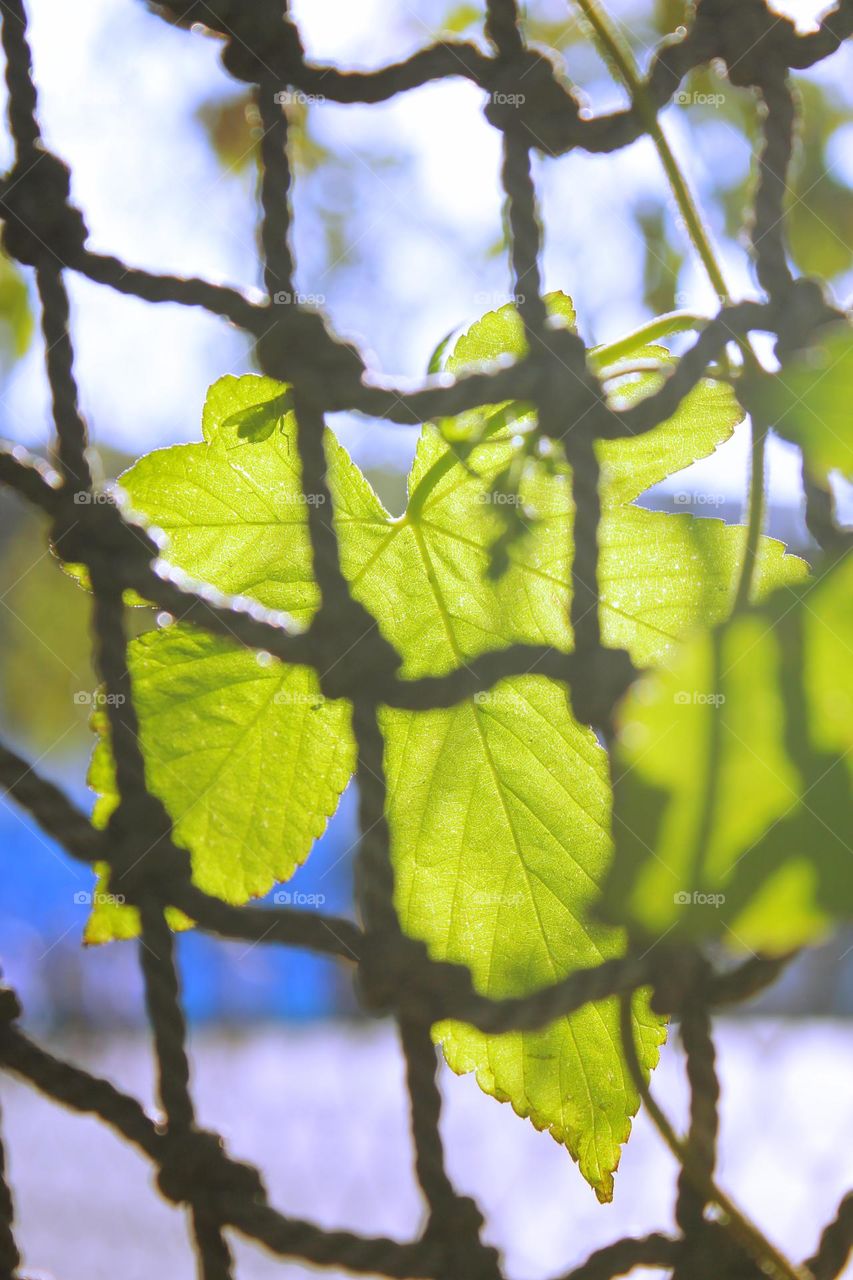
(417, 202)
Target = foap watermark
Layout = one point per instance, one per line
(304, 500)
(83, 898)
(482, 898)
(484, 696)
(687, 99)
(698, 698)
(684, 298)
(97, 698)
(685, 499)
(297, 698)
(497, 498)
(284, 298)
(494, 300)
(697, 899)
(296, 98)
(96, 498)
(293, 898)
(508, 99)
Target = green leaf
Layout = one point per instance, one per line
(227, 734)
(808, 402)
(499, 808)
(704, 420)
(245, 753)
(731, 767)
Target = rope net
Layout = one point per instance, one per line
(395, 975)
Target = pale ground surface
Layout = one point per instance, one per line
(321, 1109)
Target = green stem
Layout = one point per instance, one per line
(651, 331)
(618, 54)
(755, 516)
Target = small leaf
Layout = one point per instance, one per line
(226, 734)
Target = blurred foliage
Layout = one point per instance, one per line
(233, 128)
(46, 672)
(16, 318)
(820, 212)
(460, 18)
(663, 260)
(46, 675)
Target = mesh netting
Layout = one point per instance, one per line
(533, 109)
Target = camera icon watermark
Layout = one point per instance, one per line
(683, 298)
(685, 499)
(296, 98)
(83, 898)
(482, 898)
(305, 500)
(97, 498)
(290, 898)
(687, 99)
(482, 298)
(697, 899)
(284, 298)
(698, 698)
(97, 698)
(296, 698)
(496, 498)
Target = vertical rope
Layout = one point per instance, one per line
(9, 1257)
(768, 233)
(454, 1220)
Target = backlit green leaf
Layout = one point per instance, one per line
(733, 766)
(499, 808)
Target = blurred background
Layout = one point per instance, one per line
(399, 237)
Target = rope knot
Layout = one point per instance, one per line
(89, 529)
(566, 388)
(264, 45)
(397, 972)
(389, 971)
(747, 36)
(709, 1252)
(145, 861)
(803, 310)
(39, 221)
(294, 345)
(10, 1009)
(345, 662)
(196, 1166)
(681, 975)
(603, 677)
(526, 93)
(456, 1231)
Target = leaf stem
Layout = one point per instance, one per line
(651, 331)
(755, 516)
(618, 54)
